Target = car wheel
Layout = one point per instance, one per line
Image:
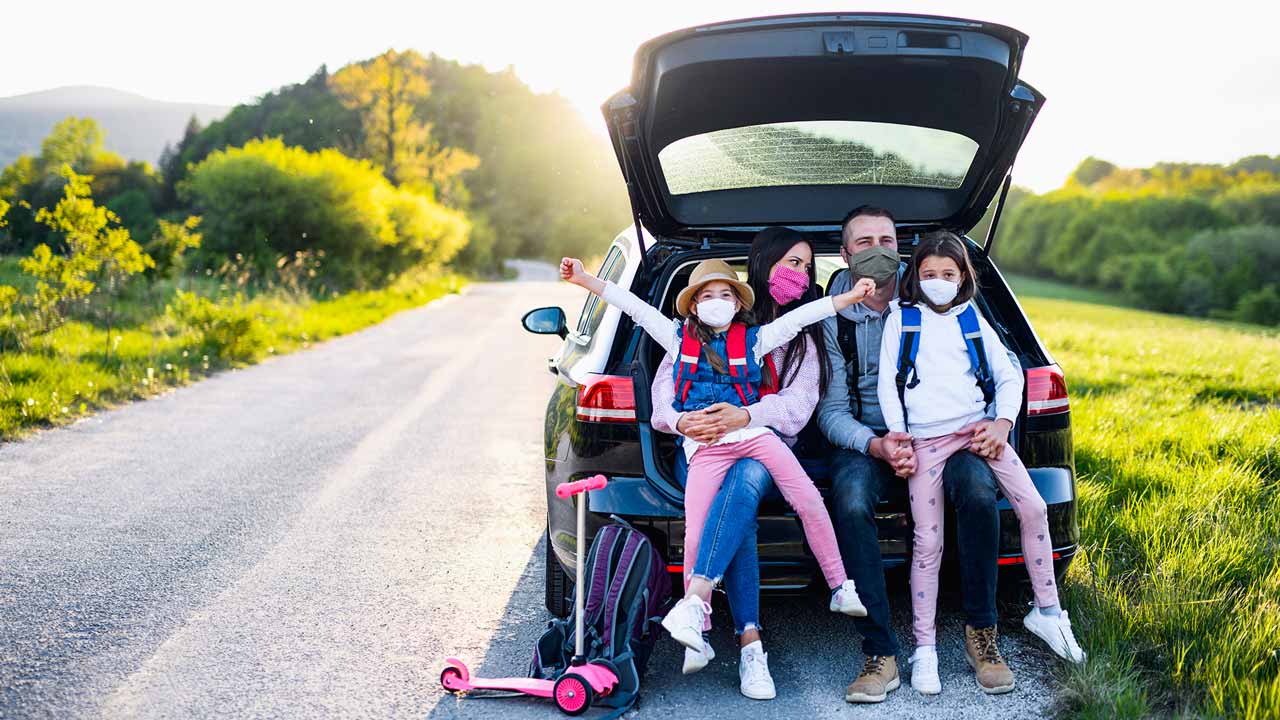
(559, 598)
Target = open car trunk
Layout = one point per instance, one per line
(796, 119)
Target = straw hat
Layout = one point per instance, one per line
(707, 271)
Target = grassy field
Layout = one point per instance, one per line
(1177, 591)
(68, 373)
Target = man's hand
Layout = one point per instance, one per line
(710, 424)
(990, 438)
(895, 449)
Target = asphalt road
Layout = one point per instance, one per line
(311, 536)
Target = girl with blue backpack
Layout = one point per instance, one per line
(720, 355)
(950, 367)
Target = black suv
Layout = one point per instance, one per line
(792, 120)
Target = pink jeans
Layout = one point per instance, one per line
(925, 488)
(707, 470)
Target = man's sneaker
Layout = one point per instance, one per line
(695, 660)
(685, 620)
(879, 677)
(924, 671)
(1056, 633)
(754, 679)
(845, 600)
(982, 652)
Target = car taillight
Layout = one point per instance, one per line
(1046, 391)
(607, 398)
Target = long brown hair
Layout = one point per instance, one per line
(769, 246)
(941, 243)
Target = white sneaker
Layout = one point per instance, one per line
(695, 660)
(755, 681)
(1056, 633)
(685, 620)
(846, 600)
(924, 671)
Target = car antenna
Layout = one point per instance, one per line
(706, 243)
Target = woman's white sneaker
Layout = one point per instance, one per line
(924, 671)
(754, 679)
(695, 660)
(845, 600)
(1055, 631)
(685, 620)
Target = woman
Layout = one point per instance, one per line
(780, 270)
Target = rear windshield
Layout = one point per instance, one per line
(827, 152)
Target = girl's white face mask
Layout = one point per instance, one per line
(940, 292)
(717, 312)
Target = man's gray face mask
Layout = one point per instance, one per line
(878, 263)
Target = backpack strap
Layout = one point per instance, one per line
(847, 337)
(621, 574)
(910, 343)
(769, 379)
(977, 353)
(736, 348)
(601, 560)
(687, 365)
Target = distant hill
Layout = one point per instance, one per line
(136, 127)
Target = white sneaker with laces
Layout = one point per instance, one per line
(695, 660)
(755, 681)
(1056, 633)
(846, 600)
(685, 620)
(924, 671)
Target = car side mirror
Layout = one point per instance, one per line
(545, 321)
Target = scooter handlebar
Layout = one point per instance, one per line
(564, 490)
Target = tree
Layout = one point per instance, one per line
(386, 92)
(1091, 170)
(75, 142)
(99, 257)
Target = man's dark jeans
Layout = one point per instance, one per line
(858, 482)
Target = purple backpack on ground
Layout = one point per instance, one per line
(628, 590)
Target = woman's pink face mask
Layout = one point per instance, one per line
(787, 285)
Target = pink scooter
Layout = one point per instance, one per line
(574, 690)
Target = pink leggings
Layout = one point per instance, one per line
(925, 487)
(707, 470)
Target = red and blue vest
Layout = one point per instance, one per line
(698, 385)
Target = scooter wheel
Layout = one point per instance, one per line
(612, 669)
(572, 694)
(451, 679)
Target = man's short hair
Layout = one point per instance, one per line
(867, 210)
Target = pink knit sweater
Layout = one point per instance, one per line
(787, 411)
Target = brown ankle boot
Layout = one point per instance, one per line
(878, 678)
(983, 654)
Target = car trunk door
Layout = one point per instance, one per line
(796, 119)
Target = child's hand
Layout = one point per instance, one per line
(990, 438)
(570, 269)
(854, 295)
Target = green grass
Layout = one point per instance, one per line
(1039, 287)
(1176, 591)
(67, 373)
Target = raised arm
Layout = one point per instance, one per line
(660, 327)
(781, 331)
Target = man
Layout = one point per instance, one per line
(867, 460)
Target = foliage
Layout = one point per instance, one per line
(229, 329)
(1192, 239)
(99, 258)
(1174, 423)
(170, 243)
(266, 200)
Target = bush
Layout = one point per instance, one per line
(266, 200)
(230, 330)
(1259, 306)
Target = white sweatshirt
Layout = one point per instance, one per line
(948, 396)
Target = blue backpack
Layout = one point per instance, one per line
(908, 377)
(627, 593)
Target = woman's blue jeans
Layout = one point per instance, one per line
(728, 546)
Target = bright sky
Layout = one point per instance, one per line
(1131, 85)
